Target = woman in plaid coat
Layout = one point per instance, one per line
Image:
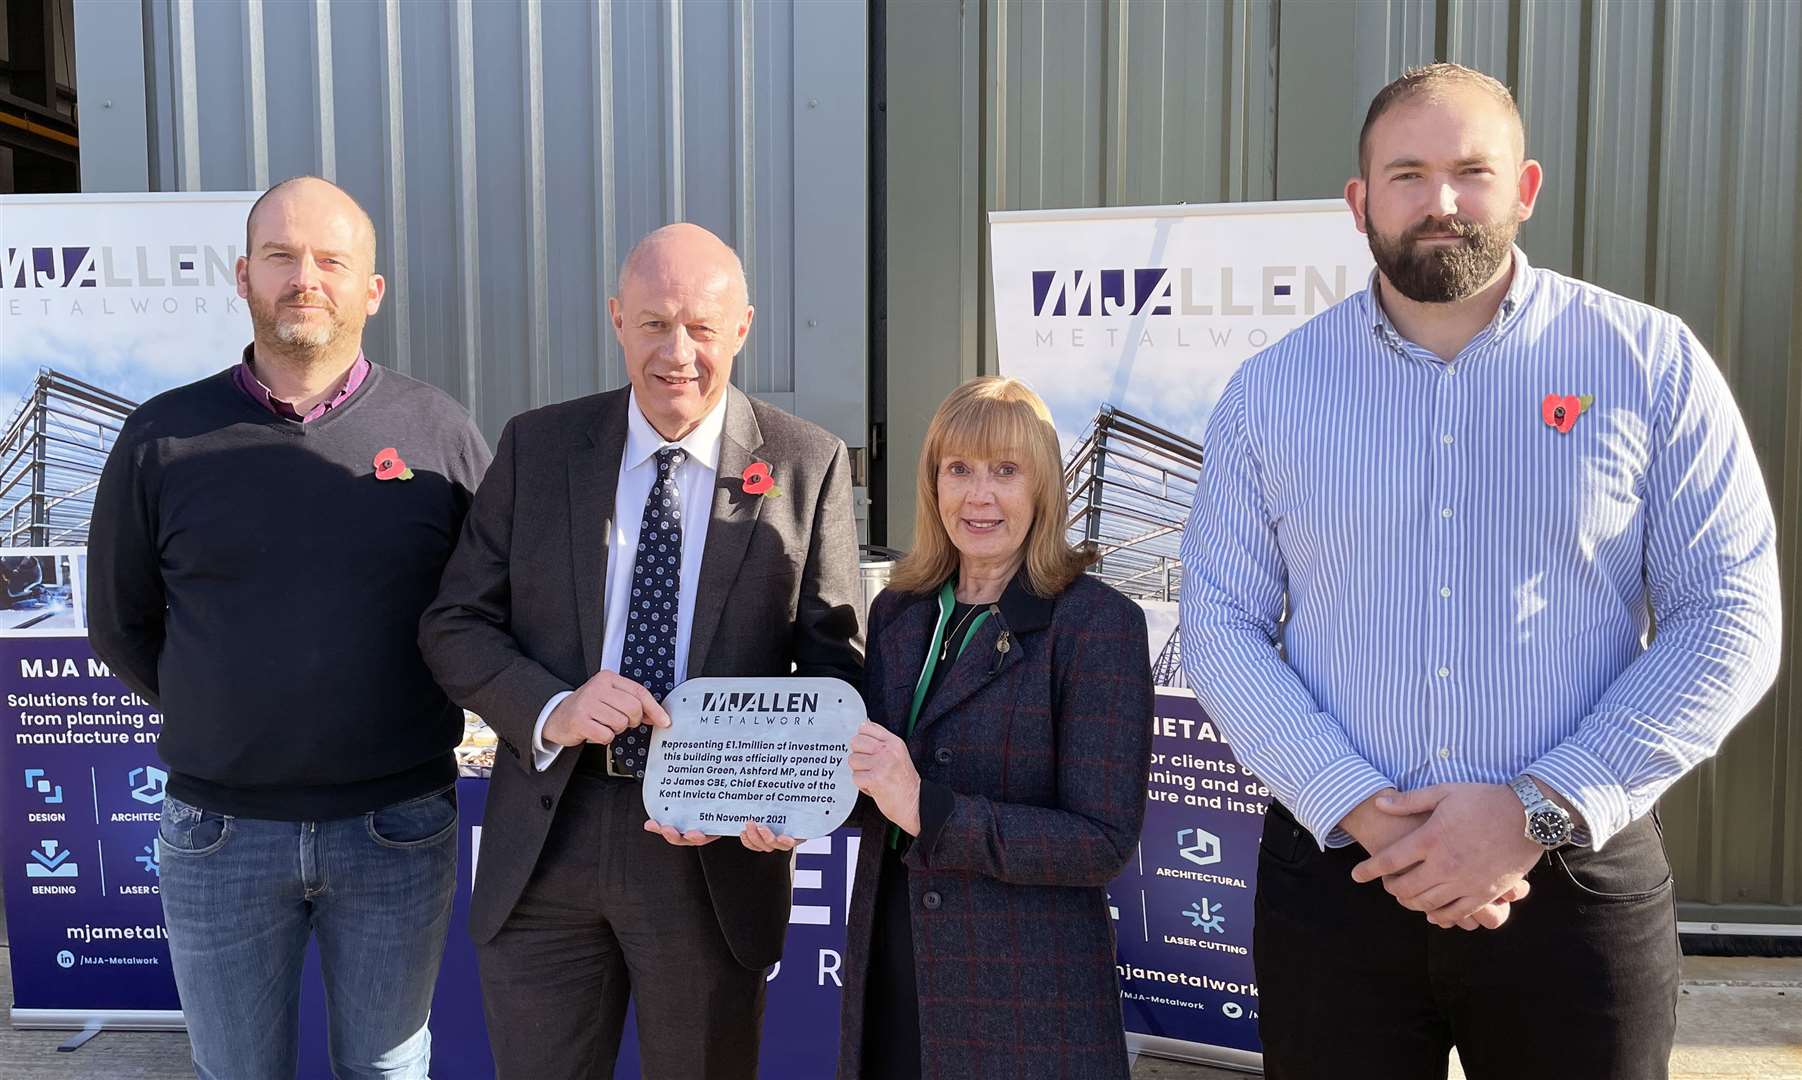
(1004, 761)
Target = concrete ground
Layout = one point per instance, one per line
(1739, 1019)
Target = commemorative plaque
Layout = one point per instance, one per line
(773, 750)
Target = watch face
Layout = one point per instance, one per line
(1549, 827)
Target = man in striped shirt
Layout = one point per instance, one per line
(1472, 486)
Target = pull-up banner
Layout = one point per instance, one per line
(104, 301)
(1128, 322)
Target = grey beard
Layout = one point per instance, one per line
(300, 337)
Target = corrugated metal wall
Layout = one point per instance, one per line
(511, 153)
(1670, 131)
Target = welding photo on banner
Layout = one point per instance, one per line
(1128, 322)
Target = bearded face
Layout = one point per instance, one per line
(301, 319)
(1439, 260)
(308, 276)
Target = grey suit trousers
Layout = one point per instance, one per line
(613, 912)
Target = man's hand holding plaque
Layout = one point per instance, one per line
(600, 709)
(763, 759)
(607, 704)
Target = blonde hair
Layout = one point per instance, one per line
(994, 418)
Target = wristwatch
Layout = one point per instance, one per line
(1548, 824)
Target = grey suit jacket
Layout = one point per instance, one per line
(520, 617)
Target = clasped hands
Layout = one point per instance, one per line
(1458, 853)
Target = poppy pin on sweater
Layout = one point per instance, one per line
(389, 466)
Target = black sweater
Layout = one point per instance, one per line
(252, 577)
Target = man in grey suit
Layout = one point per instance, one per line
(621, 543)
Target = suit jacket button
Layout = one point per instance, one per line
(942, 755)
(932, 901)
(544, 801)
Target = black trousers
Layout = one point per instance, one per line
(613, 912)
(1580, 982)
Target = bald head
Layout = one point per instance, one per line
(684, 250)
(308, 273)
(681, 315)
(311, 198)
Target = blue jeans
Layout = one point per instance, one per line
(241, 896)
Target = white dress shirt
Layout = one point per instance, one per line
(637, 474)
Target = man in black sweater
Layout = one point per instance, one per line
(264, 542)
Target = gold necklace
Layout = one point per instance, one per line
(945, 650)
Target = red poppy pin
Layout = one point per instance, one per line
(389, 466)
(758, 480)
(1561, 410)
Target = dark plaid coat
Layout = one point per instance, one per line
(1046, 746)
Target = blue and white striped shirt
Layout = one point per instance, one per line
(1469, 589)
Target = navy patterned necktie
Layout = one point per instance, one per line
(649, 656)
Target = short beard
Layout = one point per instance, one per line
(1443, 275)
(298, 337)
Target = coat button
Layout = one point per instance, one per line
(942, 755)
(544, 801)
(932, 901)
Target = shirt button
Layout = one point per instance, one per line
(1451, 369)
(1445, 513)
(1445, 673)
(1445, 752)
(931, 901)
(1445, 591)
(544, 801)
(942, 755)
(1446, 438)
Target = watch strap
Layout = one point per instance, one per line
(1528, 793)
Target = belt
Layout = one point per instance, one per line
(596, 761)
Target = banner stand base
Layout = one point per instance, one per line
(1226, 1057)
(80, 1038)
(112, 1020)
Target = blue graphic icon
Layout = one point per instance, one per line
(1207, 916)
(49, 862)
(152, 859)
(1202, 850)
(1233, 1010)
(65, 959)
(36, 780)
(147, 784)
